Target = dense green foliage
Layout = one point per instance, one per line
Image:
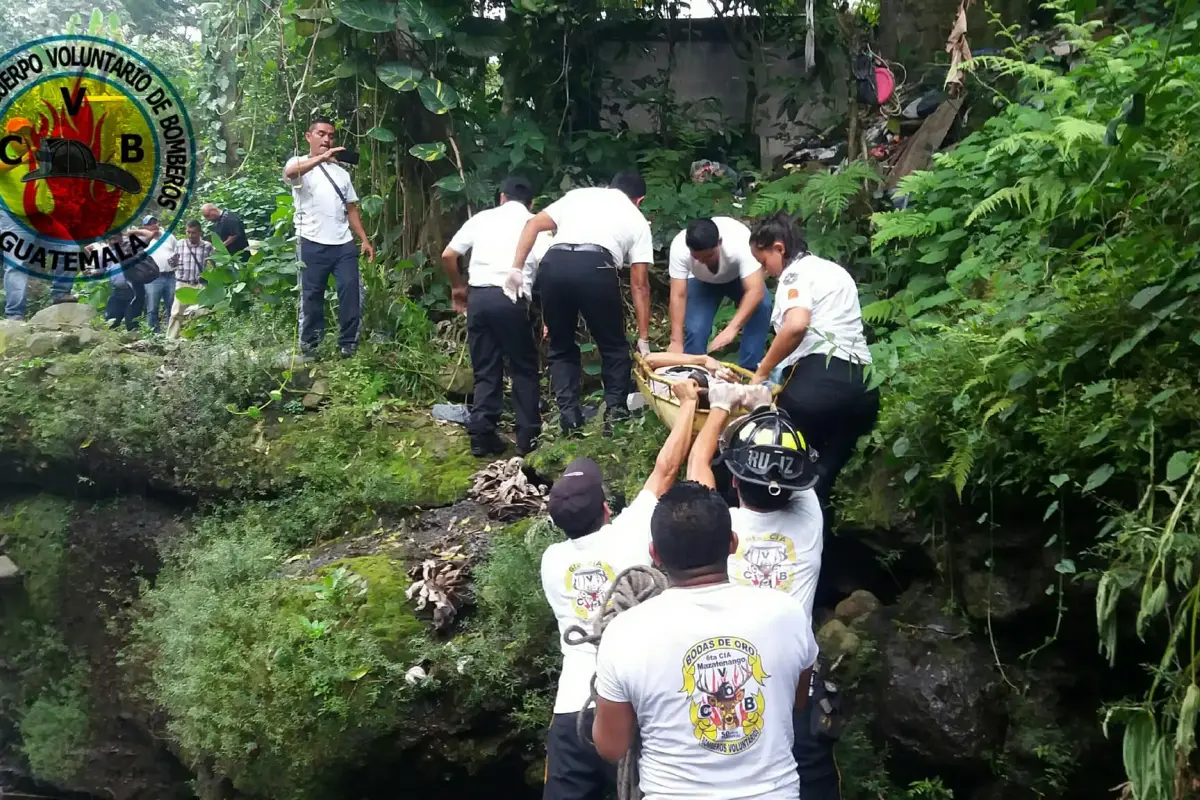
(1040, 342)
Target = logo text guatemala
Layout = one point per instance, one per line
(94, 140)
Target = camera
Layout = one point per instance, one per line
(347, 157)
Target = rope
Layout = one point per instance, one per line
(630, 588)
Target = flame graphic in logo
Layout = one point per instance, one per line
(83, 208)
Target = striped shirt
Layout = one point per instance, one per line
(193, 260)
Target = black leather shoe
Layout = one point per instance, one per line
(572, 423)
(487, 445)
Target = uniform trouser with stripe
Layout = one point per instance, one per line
(819, 778)
(500, 335)
(321, 261)
(574, 770)
(579, 282)
(832, 407)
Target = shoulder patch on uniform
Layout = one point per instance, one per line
(793, 294)
(790, 278)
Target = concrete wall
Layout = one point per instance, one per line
(710, 80)
(710, 83)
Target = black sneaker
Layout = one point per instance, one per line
(487, 445)
(348, 352)
(612, 416)
(526, 445)
(66, 298)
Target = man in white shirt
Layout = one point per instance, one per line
(708, 672)
(326, 210)
(499, 328)
(161, 290)
(709, 261)
(597, 230)
(779, 526)
(576, 575)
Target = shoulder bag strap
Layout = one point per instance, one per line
(332, 182)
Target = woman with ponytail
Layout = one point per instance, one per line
(819, 352)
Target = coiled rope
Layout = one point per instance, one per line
(631, 587)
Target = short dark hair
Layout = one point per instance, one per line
(193, 223)
(519, 188)
(320, 121)
(691, 528)
(760, 498)
(702, 234)
(631, 183)
(780, 228)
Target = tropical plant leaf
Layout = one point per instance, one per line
(365, 15)
(424, 22)
(450, 183)
(400, 77)
(438, 97)
(429, 151)
(381, 134)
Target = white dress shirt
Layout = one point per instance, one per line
(320, 215)
(491, 237)
(604, 217)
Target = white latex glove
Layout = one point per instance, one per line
(643, 346)
(724, 395)
(514, 284)
(754, 397)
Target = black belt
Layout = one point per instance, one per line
(585, 248)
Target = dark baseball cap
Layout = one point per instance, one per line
(577, 499)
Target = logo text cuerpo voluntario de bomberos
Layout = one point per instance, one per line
(94, 140)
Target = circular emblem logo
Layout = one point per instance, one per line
(97, 157)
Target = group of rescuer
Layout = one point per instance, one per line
(712, 684)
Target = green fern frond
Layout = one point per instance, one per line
(1000, 405)
(1015, 196)
(1011, 66)
(1072, 131)
(878, 312)
(892, 225)
(1050, 192)
(961, 462)
(915, 183)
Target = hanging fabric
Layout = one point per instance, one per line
(810, 38)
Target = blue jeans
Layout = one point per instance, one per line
(160, 290)
(16, 290)
(703, 299)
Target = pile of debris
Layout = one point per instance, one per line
(442, 582)
(507, 491)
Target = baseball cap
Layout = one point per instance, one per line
(577, 499)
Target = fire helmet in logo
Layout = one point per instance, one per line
(94, 139)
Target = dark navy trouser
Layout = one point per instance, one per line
(321, 261)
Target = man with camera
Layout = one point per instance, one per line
(326, 211)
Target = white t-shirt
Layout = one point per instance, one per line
(780, 549)
(711, 673)
(162, 254)
(604, 217)
(829, 293)
(736, 260)
(576, 574)
(491, 236)
(320, 215)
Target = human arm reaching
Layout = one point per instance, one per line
(787, 339)
(754, 289)
(297, 168)
(539, 223)
(639, 287)
(677, 312)
(674, 451)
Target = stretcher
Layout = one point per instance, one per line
(656, 388)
